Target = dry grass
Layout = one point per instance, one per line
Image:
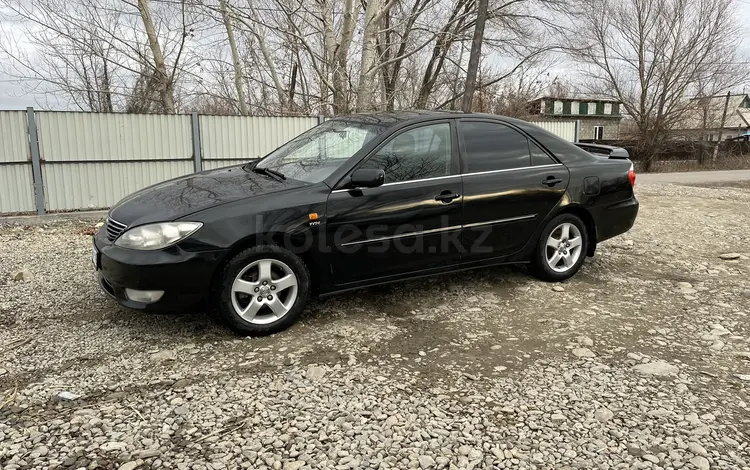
(734, 162)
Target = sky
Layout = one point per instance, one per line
(15, 95)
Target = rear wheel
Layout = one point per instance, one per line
(561, 249)
(262, 290)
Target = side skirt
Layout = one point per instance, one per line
(418, 275)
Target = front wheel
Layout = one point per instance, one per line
(262, 290)
(561, 249)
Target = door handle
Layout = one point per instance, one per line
(551, 181)
(447, 197)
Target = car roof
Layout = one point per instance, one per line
(392, 118)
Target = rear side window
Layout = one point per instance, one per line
(539, 156)
(490, 146)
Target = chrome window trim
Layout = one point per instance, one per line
(500, 221)
(403, 235)
(453, 176)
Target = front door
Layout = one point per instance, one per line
(412, 222)
(510, 185)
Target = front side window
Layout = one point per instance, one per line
(424, 152)
(489, 146)
(317, 153)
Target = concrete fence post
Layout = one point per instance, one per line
(578, 130)
(36, 163)
(197, 156)
(321, 119)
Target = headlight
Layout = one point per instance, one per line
(156, 236)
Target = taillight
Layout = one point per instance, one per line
(631, 175)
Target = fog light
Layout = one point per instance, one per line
(144, 296)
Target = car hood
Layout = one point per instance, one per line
(185, 195)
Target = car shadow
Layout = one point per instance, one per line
(200, 324)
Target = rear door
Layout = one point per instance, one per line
(409, 224)
(510, 185)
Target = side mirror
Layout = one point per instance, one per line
(367, 178)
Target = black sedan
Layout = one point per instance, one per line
(362, 200)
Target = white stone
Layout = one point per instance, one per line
(425, 461)
(294, 465)
(700, 462)
(391, 421)
(604, 414)
(660, 368)
(583, 353)
(696, 448)
(166, 355)
(67, 396)
(315, 372)
(22, 275)
(113, 445)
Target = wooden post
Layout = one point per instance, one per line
(723, 122)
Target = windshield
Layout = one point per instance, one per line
(314, 155)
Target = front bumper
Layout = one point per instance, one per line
(184, 276)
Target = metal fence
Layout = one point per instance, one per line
(568, 130)
(63, 161)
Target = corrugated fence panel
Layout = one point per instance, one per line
(16, 188)
(564, 129)
(14, 143)
(247, 137)
(70, 186)
(98, 136)
(16, 183)
(213, 164)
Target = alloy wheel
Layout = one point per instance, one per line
(563, 248)
(264, 291)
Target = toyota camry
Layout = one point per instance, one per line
(362, 200)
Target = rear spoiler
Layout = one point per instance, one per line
(605, 150)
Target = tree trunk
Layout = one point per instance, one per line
(367, 71)
(704, 125)
(106, 92)
(327, 65)
(238, 78)
(474, 56)
(723, 123)
(160, 68)
(293, 85)
(340, 82)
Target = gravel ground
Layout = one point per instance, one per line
(641, 361)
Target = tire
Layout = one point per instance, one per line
(240, 285)
(570, 259)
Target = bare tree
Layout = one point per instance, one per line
(652, 54)
(267, 56)
(95, 53)
(517, 34)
